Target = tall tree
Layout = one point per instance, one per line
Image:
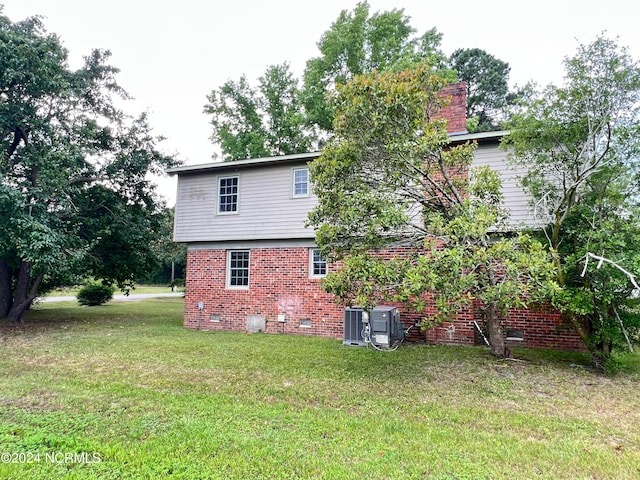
(249, 122)
(581, 144)
(487, 81)
(396, 205)
(358, 42)
(237, 121)
(172, 256)
(278, 117)
(283, 112)
(74, 194)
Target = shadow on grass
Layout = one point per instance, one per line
(49, 318)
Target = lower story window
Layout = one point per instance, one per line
(317, 264)
(238, 269)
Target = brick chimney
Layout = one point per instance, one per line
(456, 111)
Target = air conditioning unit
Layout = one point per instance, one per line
(386, 329)
(380, 327)
(353, 327)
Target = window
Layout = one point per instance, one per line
(317, 264)
(238, 269)
(228, 194)
(301, 182)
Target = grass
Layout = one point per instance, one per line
(73, 291)
(133, 395)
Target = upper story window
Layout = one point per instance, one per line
(238, 269)
(317, 264)
(300, 186)
(228, 191)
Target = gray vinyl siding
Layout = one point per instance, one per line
(515, 199)
(266, 207)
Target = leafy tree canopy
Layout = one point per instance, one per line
(487, 82)
(253, 123)
(396, 205)
(282, 117)
(581, 144)
(359, 42)
(172, 255)
(75, 198)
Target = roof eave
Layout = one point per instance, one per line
(456, 138)
(248, 162)
(479, 136)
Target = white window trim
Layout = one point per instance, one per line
(218, 179)
(293, 183)
(311, 274)
(228, 272)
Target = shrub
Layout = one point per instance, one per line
(94, 294)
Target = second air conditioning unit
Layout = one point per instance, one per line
(385, 328)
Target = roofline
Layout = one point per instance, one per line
(479, 136)
(296, 157)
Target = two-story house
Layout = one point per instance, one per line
(252, 265)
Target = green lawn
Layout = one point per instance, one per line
(73, 291)
(132, 394)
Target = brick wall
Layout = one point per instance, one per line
(534, 328)
(279, 284)
(280, 288)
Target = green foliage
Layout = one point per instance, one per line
(386, 137)
(397, 206)
(172, 256)
(74, 186)
(487, 82)
(237, 124)
(279, 117)
(253, 123)
(581, 143)
(283, 112)
(95, 294)
(358, 43)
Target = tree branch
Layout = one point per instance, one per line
(600, 259)
(76, 180)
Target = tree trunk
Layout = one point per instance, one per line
(600, 355)
(494, 330)
(600, 350)
(6, 296)
(25, 292)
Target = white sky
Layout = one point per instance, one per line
(172, 54)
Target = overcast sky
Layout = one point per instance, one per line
(172, 54)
